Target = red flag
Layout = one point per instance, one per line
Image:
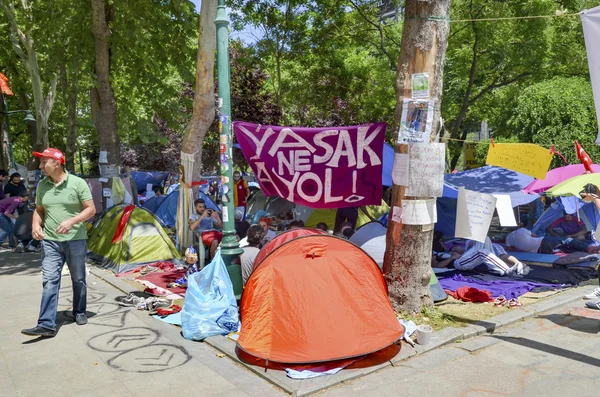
(584, 158)
(4, 85)
(122, 223)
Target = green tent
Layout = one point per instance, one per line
(143, 241)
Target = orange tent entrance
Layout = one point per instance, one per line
(316, 298)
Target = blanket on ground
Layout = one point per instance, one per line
(507, 287)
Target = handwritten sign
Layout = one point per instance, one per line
(526, 158)
(400, 169)
(330, 167)
(504, 207)
(426, 174)
(474, 213)
(419, 212)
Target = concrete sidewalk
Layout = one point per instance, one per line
(120, 352)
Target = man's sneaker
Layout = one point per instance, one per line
(593, 305)
(130, 300)
(595, 294)
(80, 319)
(20, 248)
(39, 331)
(33, 249)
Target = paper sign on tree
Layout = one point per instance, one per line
(426, 174)
(474, 213)
(526, 158)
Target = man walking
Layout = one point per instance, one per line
(62, 204)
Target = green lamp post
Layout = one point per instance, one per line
(28, 119)
(230, 247)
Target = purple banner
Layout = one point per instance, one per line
(317, 167)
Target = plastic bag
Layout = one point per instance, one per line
(209, 307)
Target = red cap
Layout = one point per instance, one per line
(52, 153)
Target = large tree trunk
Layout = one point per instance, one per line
(103, 103)
(407, 261)
(71, 92)
(4, 139)
(204, 97)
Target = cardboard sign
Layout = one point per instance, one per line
(474, 213)
(330, 167)
(426, 175)
(400, 169)
(526, 158)
(505, 210)
(419, 212)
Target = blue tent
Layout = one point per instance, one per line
(142, 179)
(588, 213)
(167, 210)
(153, 203)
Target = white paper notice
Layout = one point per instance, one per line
(106, 192)
(148, 187)
(400, 169)
(505, 210)
(474, 213)
(420, 85)
(225, 214)
(103, 180)
(103, 158)
(426, 172)
(419, 212)
(397, 214)
(109, 202)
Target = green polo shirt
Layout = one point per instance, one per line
(61, 202)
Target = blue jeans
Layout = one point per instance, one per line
(549, 244)
(7, 230)
(54, 255)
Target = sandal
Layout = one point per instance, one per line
(514, 302)
(500, 301)
(164, 312)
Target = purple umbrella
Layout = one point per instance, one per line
(556, 176)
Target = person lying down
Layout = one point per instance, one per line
(493, 256)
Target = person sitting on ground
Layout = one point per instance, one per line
(241, 225)
(442, 257)
(205, 224)
(8, 212)
(323, 226)
(525, 240)
(256, 234)
(296, 224)
(567, 226)
(265, 222)
(191, 263)
(493, 256)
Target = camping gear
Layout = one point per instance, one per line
(586, 212)
(209, 307)
(153, 203)
(424, 333)
(283, 238)
(142, 240)
(143, 180)
(556, 176)
(316, 298)
(572, 187)
(166, 210)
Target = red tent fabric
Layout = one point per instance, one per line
(284, 238)
(313, 299)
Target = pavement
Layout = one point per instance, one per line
(551, 347)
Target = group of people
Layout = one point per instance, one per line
(13, 199)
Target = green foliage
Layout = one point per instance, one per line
(557, 112)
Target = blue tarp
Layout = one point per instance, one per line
(167, 210)
(142, 179)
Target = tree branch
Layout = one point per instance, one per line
(493, 86)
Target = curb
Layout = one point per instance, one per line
(440, 338)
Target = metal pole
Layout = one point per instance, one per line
(10, 144)
(230, 248)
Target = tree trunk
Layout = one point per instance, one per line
(4, 139)
(70, 89)
(407, 261)
(204, 99)
(103, 103)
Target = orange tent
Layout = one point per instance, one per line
(316, 298)
(283, 238)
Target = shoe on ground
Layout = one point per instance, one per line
(593, 305)
(81, 319)
(130, 300)
(20, 248)
(595, 294)
(33, 249)
(39, 331)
